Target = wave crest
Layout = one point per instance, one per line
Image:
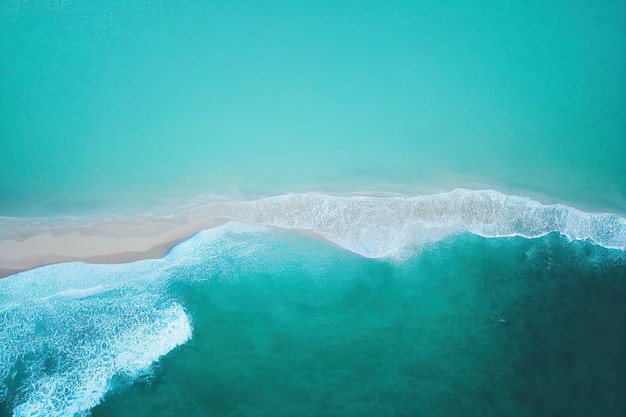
(386, 226)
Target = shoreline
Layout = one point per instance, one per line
(110, 244)
(127, 248)
(27, 244)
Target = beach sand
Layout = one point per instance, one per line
(110, 243)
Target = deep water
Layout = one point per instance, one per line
(470, 327)
(286, 325)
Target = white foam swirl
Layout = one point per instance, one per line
(68, 329)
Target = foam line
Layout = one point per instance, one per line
(380, 227)
(373, 226)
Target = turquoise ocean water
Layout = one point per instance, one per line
(466, 303)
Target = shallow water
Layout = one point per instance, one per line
(109, 104)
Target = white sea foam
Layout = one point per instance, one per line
(62, 343)
(68, 329)
(81, 292)
(81, 387)
(374, 226)
(380, 227)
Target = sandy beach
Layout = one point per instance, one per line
(110, 243)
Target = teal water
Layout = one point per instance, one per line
(117, 101)
(472, 302)
(286, 325)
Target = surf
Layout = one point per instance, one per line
(372, 226)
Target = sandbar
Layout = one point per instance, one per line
(98, 243)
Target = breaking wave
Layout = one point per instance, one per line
(389, 226)
(372, 226)
(68, 329)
